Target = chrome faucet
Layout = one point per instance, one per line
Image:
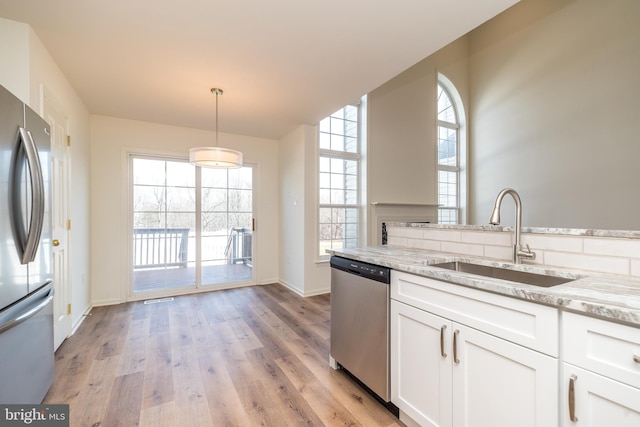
(518, 252)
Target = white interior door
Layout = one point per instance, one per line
(59, 198)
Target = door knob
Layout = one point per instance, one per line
(56, 242)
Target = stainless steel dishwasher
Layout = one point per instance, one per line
(360, 323)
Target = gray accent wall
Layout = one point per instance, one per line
(552, 93)
(555, 106)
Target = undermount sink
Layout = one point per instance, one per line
(535, 279)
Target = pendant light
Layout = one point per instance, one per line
(215, 157)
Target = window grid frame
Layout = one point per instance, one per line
(449, 168)
(357, 205)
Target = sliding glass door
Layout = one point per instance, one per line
(192, 227)
(227, 231)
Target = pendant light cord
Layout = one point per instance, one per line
(217, 92)
(217, 95)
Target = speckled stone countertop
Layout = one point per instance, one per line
(607, 296)
(630, 234)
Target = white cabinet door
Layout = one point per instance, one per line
(598, 401)
(421, 375)
(500, 384)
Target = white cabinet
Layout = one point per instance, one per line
(601, 373)
(498, 383)
(421, 378)
(449, 368)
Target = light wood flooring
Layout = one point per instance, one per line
(240, 357)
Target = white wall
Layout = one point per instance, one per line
(317, 275)
(299, 269)
(28, 70)
(111, 139)
(14, 57)
(292, 209)
(555, 97)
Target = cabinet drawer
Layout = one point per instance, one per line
(607, 348)
(598, 401)
(532, 325)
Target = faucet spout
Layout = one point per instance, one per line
(518, 252)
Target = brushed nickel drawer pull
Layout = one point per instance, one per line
(442, 353)
(572, 398)
(455, 346)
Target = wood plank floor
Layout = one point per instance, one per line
(240, 357)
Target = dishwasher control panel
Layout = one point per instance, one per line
(370, 271)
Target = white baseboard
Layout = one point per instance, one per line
(78, 322)
(106, 302)
(291, 287)
(333, 363)
(302, 293)
(318, 292)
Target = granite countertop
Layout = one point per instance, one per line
(630, 234)
(607, 296)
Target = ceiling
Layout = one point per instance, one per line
(281, 63)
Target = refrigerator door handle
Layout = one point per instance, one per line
(32, 311)
(37, 197)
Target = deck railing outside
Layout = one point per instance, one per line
(238, 248)
(160, 247)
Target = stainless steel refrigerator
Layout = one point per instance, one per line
(26, 290)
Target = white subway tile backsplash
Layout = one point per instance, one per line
(429, 245)
(445, 235)
(556, 243)
(615, 265)
(498, 252)
(635, 267)
(487, 237)
(612, 247)
(396, 241)
(462, 248)
(604, 254)
(411, 232)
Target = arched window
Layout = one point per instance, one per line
(451, 151)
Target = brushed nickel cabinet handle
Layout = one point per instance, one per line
(572, 398)
(455, 346)
(442, 353)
